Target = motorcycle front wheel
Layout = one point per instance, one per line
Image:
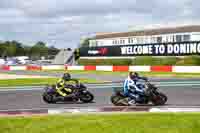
(87, 97)
(160, 99)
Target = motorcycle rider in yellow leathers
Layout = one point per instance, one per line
(63, 85)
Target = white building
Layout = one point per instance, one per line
(161, 35)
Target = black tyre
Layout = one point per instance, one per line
(118, 100)
(48, 98)
(114, 99)
(87, 97)
(161, 99)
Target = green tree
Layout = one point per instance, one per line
(2, 49)
(27, 50)
(20, 51)
(10, 50)
(15, 48)
(39, 50)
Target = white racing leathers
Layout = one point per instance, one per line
(132, 88)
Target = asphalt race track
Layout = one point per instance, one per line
(180, 93)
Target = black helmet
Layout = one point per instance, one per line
(66, 76)
(133, 75)
(136, 74)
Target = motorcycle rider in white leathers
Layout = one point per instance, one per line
(132, 88)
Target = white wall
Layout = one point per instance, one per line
(148, 39)
(195, 36)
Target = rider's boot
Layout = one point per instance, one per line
(131, 102)
(135, 100)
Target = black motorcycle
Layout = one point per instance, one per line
(81, 93)
(151, 95)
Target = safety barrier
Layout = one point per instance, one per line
(177, 69)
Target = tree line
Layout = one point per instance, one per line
(35, 52)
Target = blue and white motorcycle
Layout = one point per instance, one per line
(152, 94)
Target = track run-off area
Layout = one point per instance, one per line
(180, 92)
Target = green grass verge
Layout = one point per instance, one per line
(36, 81)
(149, 74)
(117, 123)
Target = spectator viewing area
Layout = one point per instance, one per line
(162, 35)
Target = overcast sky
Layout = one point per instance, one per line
(63, 22)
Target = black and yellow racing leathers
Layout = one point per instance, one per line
(62, 89)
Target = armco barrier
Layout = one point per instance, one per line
(140, 68)
(75, 68)
(121, 68)
(178, 69)
(33, 67)
(90, 68)
(53, 67)
(104, 68)
(18, 68)
(161, 68)
(186, 69)
(4, 67)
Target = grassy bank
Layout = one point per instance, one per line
(37, 81)
(123, 123)
(193, 60)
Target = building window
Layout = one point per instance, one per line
(122, 41)
(113, 42)
(167, 40)
(178, 38)
(186, 37)
(129, 40)
(159, 39)
(97, 43)
(174, 39)
(132, 40)
(153, 40)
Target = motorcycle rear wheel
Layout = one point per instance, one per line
(48, 98)
(116, 101)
